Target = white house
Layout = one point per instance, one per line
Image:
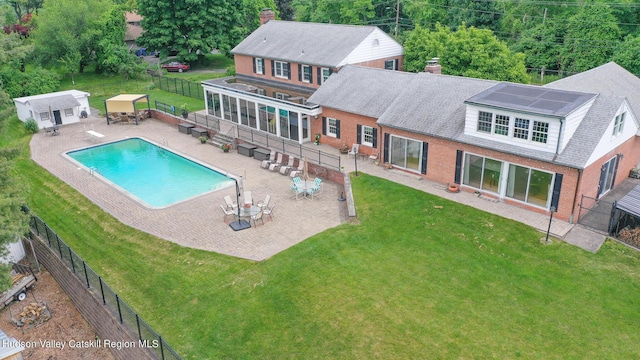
(60, 108)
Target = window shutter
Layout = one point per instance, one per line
(288, 71)
(330, 71)
(396, 65)
(375, 138)
(555, 196)
(254, 65)
(273, 68)
(299, 72)
(359, 134)
(324, 125)
(603, 178)
(310, 74)
(319, 79)
(615, 170)
(458, 166)
(386, 147)
(425, 151)
(337, 129)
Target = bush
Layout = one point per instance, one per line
(231, 70)
(31, 125)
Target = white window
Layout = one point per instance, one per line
(261, 92)
(306, 73)
(260, 66)
(502, 125)
(367, 135)
(68, 112)
(540, 132)
(618, 124)
(484, 121)
(325, 74)
(332, 127)
(281, 96)
(44, 116)
(281, 69)
(521, 129)
(390, 65)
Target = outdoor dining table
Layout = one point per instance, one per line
(305, 185)
(249, 212)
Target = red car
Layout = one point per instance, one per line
(175, 66)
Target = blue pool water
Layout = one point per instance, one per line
(155, 176)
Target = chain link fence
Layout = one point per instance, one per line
(146, 335)
(179, 86)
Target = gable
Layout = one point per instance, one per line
(377, 45)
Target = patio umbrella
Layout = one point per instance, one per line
(305, 169)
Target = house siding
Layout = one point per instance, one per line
(608, 141)
(572, 122)
(377, 45)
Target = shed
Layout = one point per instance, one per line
(626, 211)
(10, 348)
(124, 106)
(60, 108)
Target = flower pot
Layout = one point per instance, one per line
(185, 114)
(454, 188)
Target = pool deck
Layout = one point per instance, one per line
(198, 222)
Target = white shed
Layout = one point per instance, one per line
(62, 107)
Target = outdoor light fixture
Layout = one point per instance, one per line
(239, 224)
(552, 210)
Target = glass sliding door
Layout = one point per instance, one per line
(482, 173)
(406, 153)
(284, 123)
(398, 149)
(251, 113)
(293, 126)
(529, 185)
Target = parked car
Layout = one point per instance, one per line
(175, 66)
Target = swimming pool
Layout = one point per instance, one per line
(150, 174)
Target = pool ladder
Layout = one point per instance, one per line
(93, 170)
(164, 142)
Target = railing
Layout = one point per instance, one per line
(312, 153)
(103, 292)
(179, 86)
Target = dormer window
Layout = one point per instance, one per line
(524, 129)
(484, 121)
(540, 132)
(618, 124)
(521, 129)
(502, 125)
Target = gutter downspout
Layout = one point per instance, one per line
(560, 136)
(575, 197)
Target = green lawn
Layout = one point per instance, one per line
(417, 277)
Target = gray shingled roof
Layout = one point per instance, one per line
(286, 40)
(53, 103)
(361, 90)
(433, 104)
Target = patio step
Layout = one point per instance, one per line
(218, 139)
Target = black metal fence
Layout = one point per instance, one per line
(179, 86)
(103, 292)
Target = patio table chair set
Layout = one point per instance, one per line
(255, 213)
(306, 189)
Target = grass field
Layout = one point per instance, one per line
(417, 277)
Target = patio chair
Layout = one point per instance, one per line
(315, 190)
(248, 200)
(353, 151)
(276, 165)
(272, 158)
(264, 204)
(257, 217)
(285, 169)
(299, 170)
(318, 185)
(230, 204)
(269, 211)
(227, 212)
(373, 157)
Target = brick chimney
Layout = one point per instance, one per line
(266, 15)
(433, 66)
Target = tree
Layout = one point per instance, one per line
(13, 221)
(426, 13)
(24, 7)
(591, 36)
(479, 14)
(356, 12)
(285, 9)
(14, 51)
(542, 45)
(251, 14)
(36, 81)
(68, 29)
(626, 54)
(192, 27)
(112, 56)
(469, 52)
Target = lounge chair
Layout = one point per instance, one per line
(264, 204)
(269, 211)
(248, 200)
(227, 212)
(285, 169)
(257, 217)
(272, 158)
(276, 165)
(230, 204)
(299, 170)
(354, 150)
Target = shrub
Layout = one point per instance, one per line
(31, 125)
(231, 70)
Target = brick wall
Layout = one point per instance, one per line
(97, 315)
(379, 63)
(168, 118)
(348, 130)
(244, 66)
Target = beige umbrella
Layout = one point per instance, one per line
(305, 169)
